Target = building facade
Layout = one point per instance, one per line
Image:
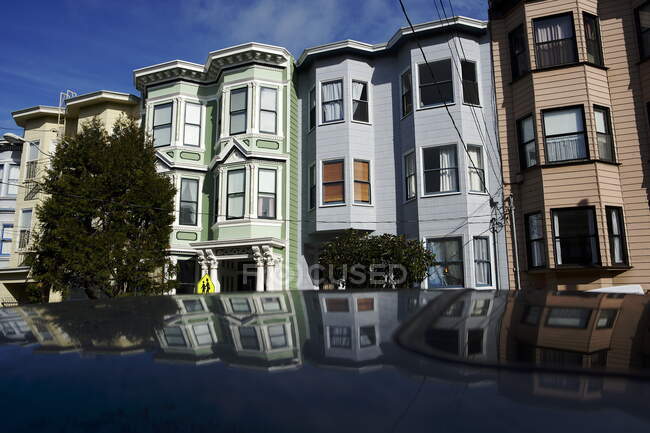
(10, 155)
(572, 87)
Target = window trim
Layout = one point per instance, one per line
(164, 125)
(3, 239)
(180, 200)
(482, 261)
(369, 182)
(461, 260)
(275, 194)
(475, 83)
(185, 123)
(322, 116)
(406, 176)
(623, 236)
(244, 110)
(420, 106)
(529, 241)
(228, 194)
(277, 105)
(471, 168)
(599, 39)
(323, 203)
(610, 130)
(575, 40)
(401, 87)
(584, 132)
(519, 74)
(367, 101)
(424, 193)
(595, 221)
(521, 144)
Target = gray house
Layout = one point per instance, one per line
(9, 179)
(380, 151)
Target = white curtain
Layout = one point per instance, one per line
(482, 260)
(554, 29)
(566, 148)
(447, 174)
(357, 90)
(571, 142)
(332, 94)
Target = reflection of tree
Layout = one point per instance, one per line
(125, 321)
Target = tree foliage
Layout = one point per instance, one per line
(355, 253)
(106, 222)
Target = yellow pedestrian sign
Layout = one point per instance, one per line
(205, 285)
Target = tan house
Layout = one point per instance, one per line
(572, 84)
(44, 126)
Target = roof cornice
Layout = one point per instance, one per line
(22, 116)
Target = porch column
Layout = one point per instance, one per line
(214, 268)
(270, 268)
(203, 263)
(259, 263)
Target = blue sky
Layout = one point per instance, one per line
(87, 45)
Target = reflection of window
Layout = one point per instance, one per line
(192, 305)
(365, 304)
(271, 304)
(606, 319)
(332, 101)
(333, 182)
(444, 340)
(240, 305)
(278, 336)
(455, 309)
(532, 315)
(340, 336)
(189, 202)
(337, 305)
(238, 107)
(202, 334)
(248, 338)
(555, 42)
(407, 93)
(564, 134)
(480, 307)
(236, 194)
(474, 342)
(162, 124)
(448, 268)
(360, 101)
(436, 85)
(174, 336)
(367, 336)
(560, 357)
(440, 169)
(574, 231)
(568, 317)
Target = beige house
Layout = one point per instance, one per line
(572, 84)
(44, 126)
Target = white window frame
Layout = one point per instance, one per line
(401, 92)
(247, 87)
(368, 102)
(259, 106)
(247, 192)
(370, 182)
(167, 101)
(463, 245)
(319, 100)
(346, 193)
(470, 168)
(423, 193)
(200, 124)
(404, 186)
(454, 78)
(199, 186)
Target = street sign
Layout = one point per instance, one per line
(205, 285)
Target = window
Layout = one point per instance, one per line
(337, 305)
(266, 196)
(480, 308)
(643, 28)
(271, 305)
(367, 336)
(365, 304)
(25, 228)
(535, 241)
(333, 182)
(278, 336)
(189, 202)
(5, 246)
(604, 134)
(447, 270)
(555, 42)
(443, 340)
(174, 336)
(238, 107)
(532, 315)
(568, 317)
(440, 169)
(409, 176)
(470, 83)
(474, 342)
(361, 181)
(268, 110)
(407, 93)
(219, 114)
(592, 38)
(574, 234)
(193, 305)
(616, 233)
(527, 147)
(312, 186)
(436, 85)
(360, 101)
(216, 196)
(518, 52)
(248, 338)
(454, 310)
(162, 124)
(340, 337)
(240, 305)
(192, 132)
(476, 169)
(482, 265)
(564, 134)
(312, 108)
(202, 334)
(606, 319)
(235, 196)
(10, 188)
(332, 100)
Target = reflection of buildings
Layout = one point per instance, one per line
(13, 327)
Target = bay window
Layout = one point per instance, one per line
(162, 124)
(409, 176)
(361, 181)
(268, 110)
(519, 64)
(470, 83)
(616, 234)
(312, 108)
(332, 101)
(592, 38)
(555, 42)
(360, 101)
(236, 195)
(527, 145)
(535, 240)
(238, 110)
(574, 236)
(407, 93)
(604, 135)
(333, 182)
(436, 85)
(447, 270)
(482, 263)
(440, 169)
(643, 29)
(476, 169)
(266, 195)
(564, 134)
(189, 202)
(192, 131)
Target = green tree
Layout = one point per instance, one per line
(354, 255)
(106, 221)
